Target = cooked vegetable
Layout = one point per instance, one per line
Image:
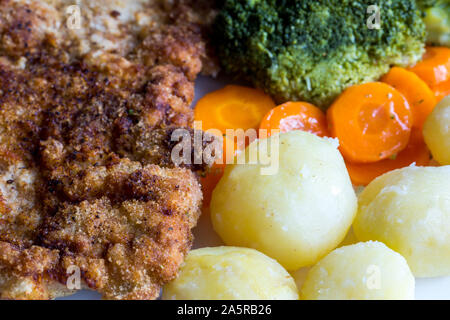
(312, 50)
(437, 132)
(437, 20)
(434, 68)
(213, 175)
(210, 181)
(349, 239)
(415, 152)
(409, 210)
(296, 215)
(363, 271)
(233, 107)
(419, 95)
(372, 122)
(296, 116)
(442, 90)
(229, 273)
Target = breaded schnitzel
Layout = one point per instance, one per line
(86, 116)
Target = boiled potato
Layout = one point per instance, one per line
(362, 271)
(436, 132)
(300, 274)
(230, 273)
(409, 210)
(297, 215)
(349, 239)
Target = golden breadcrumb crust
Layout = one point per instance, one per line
(86, 116)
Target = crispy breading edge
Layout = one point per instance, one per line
(36, 263)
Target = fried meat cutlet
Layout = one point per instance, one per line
(86, 116)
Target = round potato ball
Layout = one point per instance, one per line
(230, 273)
(295, 215)
(436, 132)
(362, 271)
(409, 210)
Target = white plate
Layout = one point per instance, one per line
(435, 288)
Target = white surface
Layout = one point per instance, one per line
(435, 288)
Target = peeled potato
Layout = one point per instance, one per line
(409, 210)
(297, 215)
(436, 132)
(349, 239)
(362, 271)
(230, 273)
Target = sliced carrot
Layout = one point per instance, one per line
(416, 152)
(233, 107)
(435, 66)
(210, 181)
(295, 116)
(215, 173)
(372, 122)
(441, 90)
(420, 97)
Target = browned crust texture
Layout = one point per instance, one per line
(86, 116)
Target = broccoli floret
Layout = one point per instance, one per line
(437, 20)
(312, 50)
(425, 4)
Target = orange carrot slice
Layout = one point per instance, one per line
(435, 66)
(416, 152)
(295, 116)
(210, 181)
(233, 107)
(372, 122)
(419, 95)
(215, 173)
(441, 90)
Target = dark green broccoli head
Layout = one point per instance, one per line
(311, 50)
